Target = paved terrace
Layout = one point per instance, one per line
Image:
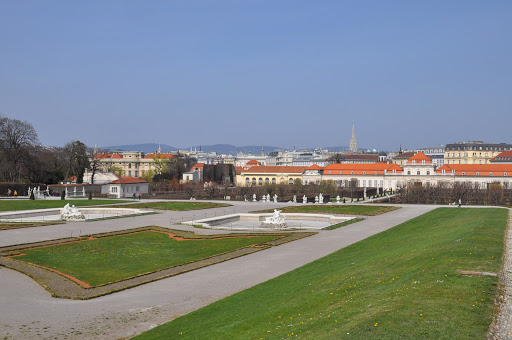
(27, 311)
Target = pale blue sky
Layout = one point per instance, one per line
(283, 73)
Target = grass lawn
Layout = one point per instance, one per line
(177, 206)
(399, 284)
(109, 259)
(370, 210)
(342, 224)
(17, 225)
(10, 205)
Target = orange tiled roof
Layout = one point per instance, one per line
(128, 180)
(263, 169)
(361, 169)
(159, 156)
(71, 179)
(197, 165)
(108, 155)
(505, 156)
(419, 158)
(477, 169)
(253, 162)
(314, 167)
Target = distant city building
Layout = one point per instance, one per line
(475, 152)
(131, 163)
(436, 154)
(353, 141)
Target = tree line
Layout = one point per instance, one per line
(24, 160)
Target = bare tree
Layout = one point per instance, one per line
(495, 192)
(17, 138)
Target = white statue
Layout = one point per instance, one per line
(275, 198)
(316, 199)
(338, 199)
(254, 197)
(364, 194)
(294, 198)
(321, 198)
(71, 213)
(276, 221)
(304, 199)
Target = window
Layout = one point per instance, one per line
(352, 172)
(329, 172)
(364, 172)
(247, 181)
(478, 174)
(254, 181)
(290, 181)
(274, 181)
(375, 172)
(341, 172)
(136, 174)
(463, 174)
(129, 165)
(490, 174)
(409, 172)
(417, 173)
(130, 173)
(267, 181)
(260, 181)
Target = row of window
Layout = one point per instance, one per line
(496, 148)
(267, 181)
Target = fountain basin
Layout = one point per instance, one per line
(293, 221)
(46, 215)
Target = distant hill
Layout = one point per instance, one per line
(147, 147)
(231, 149)
(219, 148)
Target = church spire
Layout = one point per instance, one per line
(353, 141)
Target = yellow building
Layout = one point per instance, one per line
(473, 152)
(261, 175)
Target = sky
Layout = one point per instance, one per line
(280, 73)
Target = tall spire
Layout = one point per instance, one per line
(353, 141)
(159, 148)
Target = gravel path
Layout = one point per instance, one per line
(501, 327)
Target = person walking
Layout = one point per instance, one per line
(8, 192)
(139, 196)
(15, 193)
(134, 196)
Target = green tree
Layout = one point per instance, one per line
(78, 160)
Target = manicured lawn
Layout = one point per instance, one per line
(177, 206)
(342, 224)
(109, 259)
(399, 284)
(370, 210)
(17, 225)
(10, 205)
